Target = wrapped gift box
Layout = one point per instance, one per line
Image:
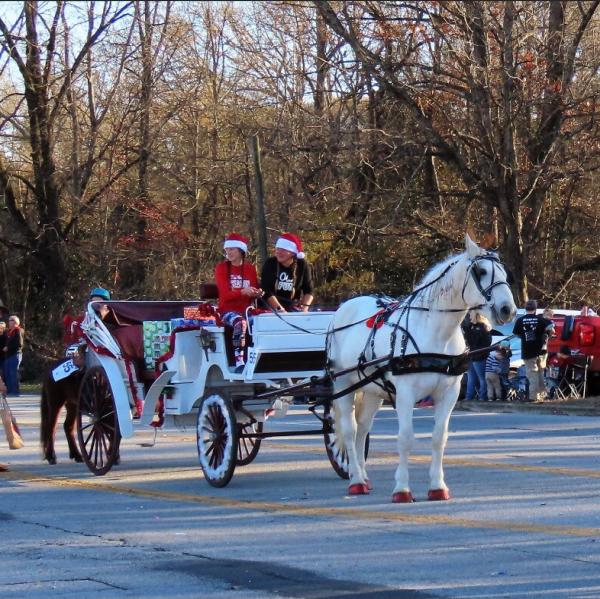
(157, 334)
(178, 323)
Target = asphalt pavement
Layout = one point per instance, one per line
(523, 521)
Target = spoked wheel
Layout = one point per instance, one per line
(97, 424)
(248, 446)
(217, 440)
(338, 456)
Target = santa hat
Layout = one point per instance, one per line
(233, 240)
(291, 243)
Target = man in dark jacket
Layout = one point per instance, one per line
(533, 330)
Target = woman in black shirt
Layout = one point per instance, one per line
(286, 278)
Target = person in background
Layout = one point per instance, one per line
(286, 278)
(497, 366)
(3, 340)
(478, 336)
(533, 329)
(13, 354)
(72, 332)
(550, 331)
(555, 371)
(237, 281)
(3, 467)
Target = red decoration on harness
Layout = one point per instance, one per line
(375, 321)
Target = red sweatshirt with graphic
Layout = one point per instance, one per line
(231, 280)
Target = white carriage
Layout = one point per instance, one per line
(148, 361)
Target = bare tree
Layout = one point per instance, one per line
(499, 91)
(35, 184)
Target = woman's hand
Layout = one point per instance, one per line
(252, 292)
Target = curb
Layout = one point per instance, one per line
(556, 408)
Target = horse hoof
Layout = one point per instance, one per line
(368, 483)
(438, 495)
(403, 497)
(51, 461)
(358, 489)
(78, 459)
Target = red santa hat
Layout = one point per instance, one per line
(233, 240)
(291, 243)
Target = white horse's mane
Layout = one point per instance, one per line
(434, 290)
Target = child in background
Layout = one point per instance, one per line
(556, 369)
(497, 366)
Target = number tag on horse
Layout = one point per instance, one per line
(64, 370)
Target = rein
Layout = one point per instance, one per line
(399, 365)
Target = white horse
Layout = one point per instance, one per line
(426, 322)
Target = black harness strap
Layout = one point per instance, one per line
(436, 363)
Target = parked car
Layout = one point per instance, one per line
(580, 333)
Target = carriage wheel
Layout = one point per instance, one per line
(97, 424)
(248, 446)
(217, 440)
(337, 456)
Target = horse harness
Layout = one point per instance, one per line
(419, 362)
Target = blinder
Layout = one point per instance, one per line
(475, 270)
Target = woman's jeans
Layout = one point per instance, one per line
(476, 381)
(11, 373)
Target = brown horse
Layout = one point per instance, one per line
(55, 395)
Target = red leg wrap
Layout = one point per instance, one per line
(358, 489)
(438, 495)
(403, 497)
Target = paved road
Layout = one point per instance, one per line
(524, 520)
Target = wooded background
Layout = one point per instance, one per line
(388, 130)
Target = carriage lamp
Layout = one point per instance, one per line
(207, 342)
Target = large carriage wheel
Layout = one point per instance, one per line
(337, 456)
(97, 423)
(248, 446)
(217, 440)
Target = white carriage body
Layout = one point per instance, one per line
(285, 349)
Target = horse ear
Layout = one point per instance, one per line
(472, 248)
(489, 241)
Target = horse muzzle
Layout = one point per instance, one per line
(505, 312)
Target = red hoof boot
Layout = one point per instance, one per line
(438, 495)
(358, 489)
(403, 497)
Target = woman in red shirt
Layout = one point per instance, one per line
(237, 282)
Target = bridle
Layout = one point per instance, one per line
(406, 306)
(486, 292)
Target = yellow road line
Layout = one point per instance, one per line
(297, 510)
(450, 461)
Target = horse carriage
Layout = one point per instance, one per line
(148, 361)
(157, 360)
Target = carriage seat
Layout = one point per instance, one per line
(209, 291)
